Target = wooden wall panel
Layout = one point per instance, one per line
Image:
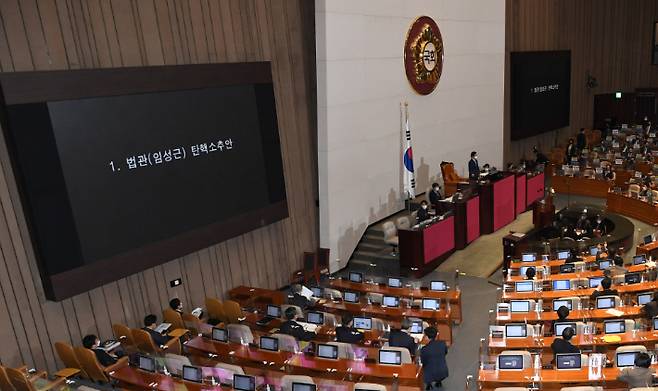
(72, 34)
(610, 39)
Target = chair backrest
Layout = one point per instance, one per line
(18, 380)
(233, 311)
(654, 193)
(234, 369)
(403, 222)
(389, 230)
(378, 324)
(239, 333)
(173, 317)
(330, 319)
(628, 349)
(67, 355)
(5, 383)
(287, 343)
(90, 364)
(215, 309)
(332, 294)
(345, 350)
(369, 387)
(123, 334)
(310, 260)
(581, 388)
(448, 172)
(287, 380)
(527, 358)
(175, 363)
(375, 298)
(510, 389)
(405, 356)
(144, 342)
(629, 325)
(298, 311)
(323, 258)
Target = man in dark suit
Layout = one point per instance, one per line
(93, 343)
(398, 337)
(298, 299)
(293, 328)
(562, 345)
(433, 357)
(473, 167)
(149, 326)
(346, 333)
(435, 194)
(572, 151)
(604, 289)
(581, 141)
(424, 212)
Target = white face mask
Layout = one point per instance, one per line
(436, 189)
(424, 206)
(475, 157)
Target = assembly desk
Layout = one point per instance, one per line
(650, 249)
(596, 314)
(423, 248)
(632, 207)
(551, 295)
(580, 186)
(577, 275)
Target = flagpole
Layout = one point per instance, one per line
(406, 136)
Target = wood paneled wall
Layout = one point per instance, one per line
(72, 34)
(610, 39)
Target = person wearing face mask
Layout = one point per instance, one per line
(599, 227)
(435, 194)
(423, 212)
(473, 167)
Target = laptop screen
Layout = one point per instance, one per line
(639, 259)
(430, 304)
(390, 301)
(315, 317)
(392, 357)
(438, 286)
(356, 277)
(655, 323)
(394, 282)
(303, 387)
(192, 374)
(605, 264)
(269, 343)
(626, 359)
(363, 323)
(317, 292)
(274, 311)
(524, 286)
(605, 302)
(561, 285)
(593, 250)
(563, 254)
(643, 298)
(416, 327)
(567, 268)
(632, 278)
(219, 334)
(594, 282)
(510, 361)
(146, 363)
(559, 303)
(516, 330)
(568, 361)
(328, 351)
(520, 306)
(614, 327)
(559, 327)
(528, 257)
(351, 297)
(648, 239)
(244, 382)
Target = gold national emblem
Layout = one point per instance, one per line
(423, 55)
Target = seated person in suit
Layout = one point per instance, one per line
(424, 212)
(641, 375)
(599, 226)
(149, 326)
(291, 327)
(610, 174)
(573, 257)
(104, 358)
(346, 333)
(473, 167)
(177, 305)
(433, 357)
(298, 299)
(398, 337)
(562, 315)
(583, 224)
(604, 289)
(562, 345)
(650, 310)
(435, 194)
(530, 273)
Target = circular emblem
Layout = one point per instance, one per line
(423, 55)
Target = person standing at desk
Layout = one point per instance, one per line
(572, 151)
(424, 212)
(473, 167)
(433, 357)
(581, 141)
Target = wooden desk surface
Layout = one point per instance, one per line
(246, 295)
(302, 362)
(144, 380)
(632, 207)
(550, 295)
(641, 337)
(580, 185)
(583, 274)
(647, 248)
(520, 317)
(553, 263)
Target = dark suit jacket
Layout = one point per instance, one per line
(300, 301)
(435, 197)
(157, 338)
(348, 335)
(559, 345)
(606, 292)
(473, 169)
(423, 214)
(104, 358)
(293, 328)
(399, 338)
(581, 141)
(433, 356)
(571, 150)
